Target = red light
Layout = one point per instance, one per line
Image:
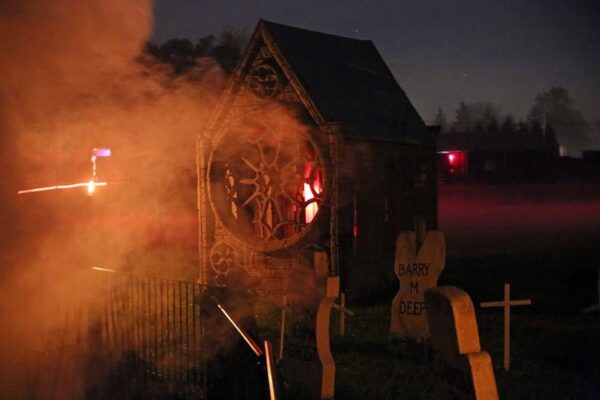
(312, 208)
(451, 158)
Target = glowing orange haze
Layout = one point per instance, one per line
(72, 78)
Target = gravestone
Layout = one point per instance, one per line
(308, 366)
(417, 271)
(464, 371)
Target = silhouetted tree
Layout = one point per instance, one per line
(486, 116)
(440, 119)
(508, 125)
(471, 114)
(205, 46)
(182, 54)
(595, 138)
(479, 130)
(550, 137)
(522, 127)
(463, 118)
(556, 107)
(493, 127)
(178, 52)
(484, 112)
(229, 50)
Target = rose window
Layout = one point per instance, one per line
(263, 81)
(266, 183)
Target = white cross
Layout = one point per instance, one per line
(506, 303)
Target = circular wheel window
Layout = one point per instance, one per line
(263, 81)
(266, 182)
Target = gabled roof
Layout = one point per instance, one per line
(348, 82)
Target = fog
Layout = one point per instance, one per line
(73, 77)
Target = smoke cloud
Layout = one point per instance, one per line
(73, 77)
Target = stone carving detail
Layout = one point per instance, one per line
(222, 258)
(264, 82)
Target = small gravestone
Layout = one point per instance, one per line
(417, 272)
(463, 370)
(308, 366)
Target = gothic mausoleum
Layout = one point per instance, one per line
(313, 146)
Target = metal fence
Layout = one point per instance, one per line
(150, 326)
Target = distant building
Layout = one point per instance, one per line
(500, 157)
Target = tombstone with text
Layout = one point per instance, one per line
(309, 368)
(464, 371)
(417, 271)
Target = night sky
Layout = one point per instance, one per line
(441, 52)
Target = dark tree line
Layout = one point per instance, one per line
(184, 54)
(552, 114)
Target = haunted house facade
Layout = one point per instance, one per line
(313, 146)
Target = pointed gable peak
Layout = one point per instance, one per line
(339, 80)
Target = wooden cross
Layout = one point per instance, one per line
(340, 307)
(343, 311)
(594, 307)
(506, 303)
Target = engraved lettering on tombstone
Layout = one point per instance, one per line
(307, 362)
(417, 271)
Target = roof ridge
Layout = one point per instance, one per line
(267, 23)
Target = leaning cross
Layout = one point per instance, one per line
(506, 303)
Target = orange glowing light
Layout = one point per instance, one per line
(91, 186)
(270, 371)
(62, 187)
(312, 208)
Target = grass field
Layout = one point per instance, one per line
(555, 354)
(550, 359)
(545, 241)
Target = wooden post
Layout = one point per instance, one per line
(282, 327)
(506, 303)
(271, 372)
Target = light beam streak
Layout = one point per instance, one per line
(104, 269)
(255, 348)
(62, 187)
(271, 371)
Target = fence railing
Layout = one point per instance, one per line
(152, 326)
